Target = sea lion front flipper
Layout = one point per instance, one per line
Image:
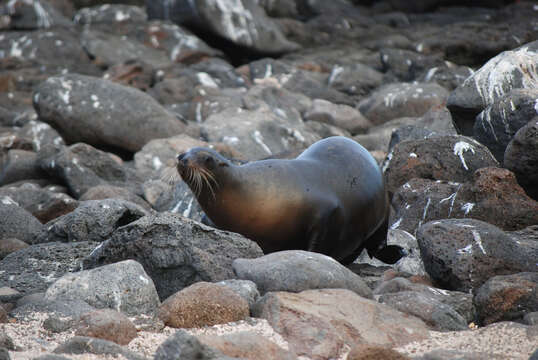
(390, 254)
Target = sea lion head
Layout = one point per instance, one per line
(200, 168)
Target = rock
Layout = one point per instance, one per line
(101, 43)
(6, 342)
(106, 324)
(462, 355)
(20, 165)
(462, 254)
(92, 220)
(87, 345)
(451, 158)
(102, 192)
(203, 304)
(110, 13)
(135, 73)
(81, 166)
(531, 318)
(521, 157)
(371, 352)
(9, 245)
(257, 134)
(447, 74)
(176, 252)
(3, 315)
(40, 133)
(123, 286)
(492, 196)
(9, 295)
(82, 107)
(183, 346)
(297, 270)
(401, 99)
(355, 79)
(243, 23)
(160, 154)
(39, 14)
(177, 198)
(56, 49)
(411, 263)
(342, 116)
(43, 203)
(508, 70)
(51, 357)
(319, 323)
(4, 354)
(497, 124)
(32, 309)
(406, 65)
(439, 316)
(17, 222)
(461, 302)
(58, 325)
(246, 345)
(378, 137)
(507, 298)
(245, 288)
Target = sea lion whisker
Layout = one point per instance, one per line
(206, 176)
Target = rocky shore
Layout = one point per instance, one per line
(103, 253)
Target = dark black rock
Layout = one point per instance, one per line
(183, 346)
(55, 308)
(81, 167)
(521, 157)
(34, 268)
(175, 252)
(462, 254)
(20, 165)
(451, 158)
(499, 122)
(39, 14)
(92, 220)
(110, 13)
(4, 354)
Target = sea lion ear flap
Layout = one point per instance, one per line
(223, 164)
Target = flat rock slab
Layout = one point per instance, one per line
(320, 324)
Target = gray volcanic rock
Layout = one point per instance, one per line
(462, 254)
(242, 22)
(9, 245)
(507, 298)
(433, 312)
(342, 116)
(88, 345)
(44, 203)
(92, 220)
(451, 158)
(521, 156)
(355, 79)
(56, 49)
(175, 251)
(20, 165)
(184, 346)
(245, 288)
(497, 124)
(34, 268)
(401, 99)
(56, 309)
(106, 324)
(297, 270)
(101, 192)
(509, 70)
(40, 134)
(17, 222)
(459, 301)
(100, 112)
(123, 286)
(110, 13)
(81, 167)
(31, 15)
(257, 134)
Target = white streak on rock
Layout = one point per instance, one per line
(396, 224)
(459, 148)
(187, 211)
(466, 250)
(467, 208)
(258, 138)
(206, 80)
(478, 240)
(336, 71)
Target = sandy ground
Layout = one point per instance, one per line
(500, 339)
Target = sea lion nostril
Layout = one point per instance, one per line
(181, 156)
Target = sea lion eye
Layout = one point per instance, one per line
(209, 160)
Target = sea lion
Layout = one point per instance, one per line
(331, 199)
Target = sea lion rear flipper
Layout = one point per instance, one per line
(326, 225)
